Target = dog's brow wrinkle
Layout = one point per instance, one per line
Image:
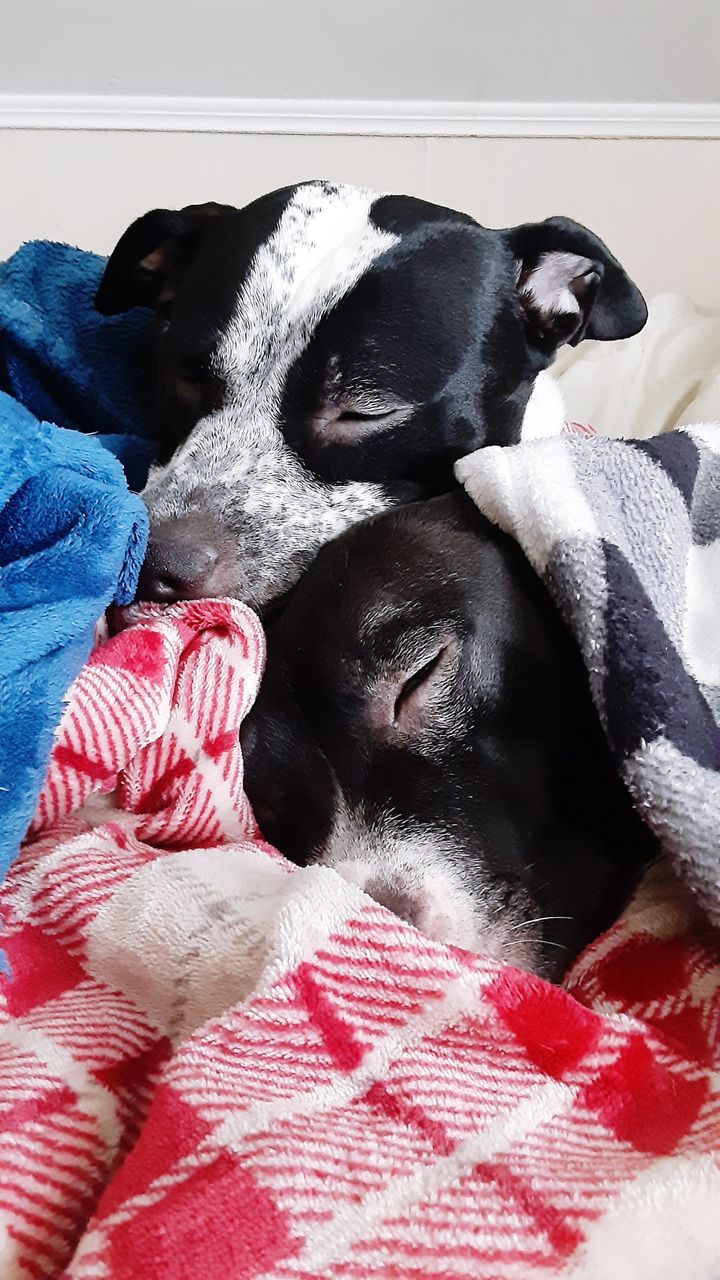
(380, 619)
(392, 631)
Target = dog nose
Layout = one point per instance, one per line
(178, 564)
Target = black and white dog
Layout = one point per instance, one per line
(329, 352)
(425, 727)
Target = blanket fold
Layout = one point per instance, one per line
(626, 536)
(71, 537)
(67, 364)
(71, 541)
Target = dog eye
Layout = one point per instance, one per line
(354, 422)
(188, 390)
(416, 684)
(365, 415)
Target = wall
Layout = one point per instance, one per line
(656, 202)
(454, 50)
(606, 110)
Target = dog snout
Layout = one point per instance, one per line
(399, 899)
(180, 561)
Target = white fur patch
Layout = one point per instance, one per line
(321, 247)
(386, 858)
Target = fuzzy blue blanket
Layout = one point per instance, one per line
(72, 536)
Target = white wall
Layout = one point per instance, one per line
(651, 66)
(657, 203)
(455, 50)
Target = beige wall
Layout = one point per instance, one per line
(657, 203)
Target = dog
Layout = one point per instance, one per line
(425, 727)
(327, 353)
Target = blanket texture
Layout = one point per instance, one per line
(66, 363)
(626, 535)
(214, 1065)
(71, 536)
(71, 540)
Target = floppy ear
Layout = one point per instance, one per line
(571, 287)
(150, 258)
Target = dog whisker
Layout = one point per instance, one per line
(539, 920)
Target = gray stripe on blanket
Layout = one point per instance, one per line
(626, 536)
(617, 482)
(680, 802)
(576, 579)
(705, 511)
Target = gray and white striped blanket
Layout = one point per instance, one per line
(626, 536)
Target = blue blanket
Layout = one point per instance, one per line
(72, 536)
(66, 363)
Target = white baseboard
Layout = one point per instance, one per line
(386, 119)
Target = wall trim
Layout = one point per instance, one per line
(386, 119)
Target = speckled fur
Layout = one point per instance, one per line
(271, 513)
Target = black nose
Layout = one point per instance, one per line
(178, 564)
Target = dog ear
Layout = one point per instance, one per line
(150, 258)
(570, 286)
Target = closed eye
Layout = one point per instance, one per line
(415, 683)
(366, 415)
(188, 389)
(354, 423)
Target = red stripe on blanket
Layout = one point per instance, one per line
(32, 1110)
(644, 1101)
(339, 1037)
(161, 792)
(563, 1237)
(219, 1224)
(398, 1108)
(555, 1031)
(77, 762)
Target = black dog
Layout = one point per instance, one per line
(330, 352)
(425, 727)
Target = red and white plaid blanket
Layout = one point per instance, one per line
(216, 1066)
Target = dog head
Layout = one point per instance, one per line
(327, 353)
(425, 727)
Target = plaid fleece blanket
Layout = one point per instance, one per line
(216, 1066)
(626, 536)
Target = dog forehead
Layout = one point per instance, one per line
(323, 243)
